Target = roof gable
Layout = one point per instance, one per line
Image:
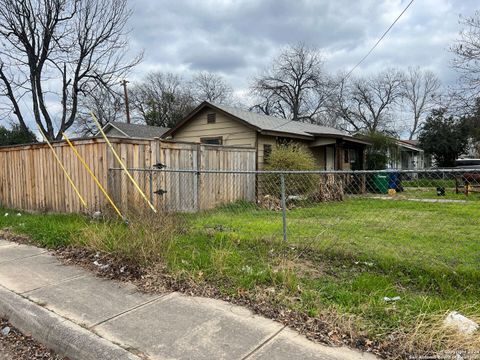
(275, 124)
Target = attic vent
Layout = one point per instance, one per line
(211, 118)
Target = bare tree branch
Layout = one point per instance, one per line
(467, 62)
(162, 99)
(366, 104)
(79, 43)
(294, 87)
(420, 93)
(210, 87)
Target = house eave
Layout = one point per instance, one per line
(285, 134)
(350, 139)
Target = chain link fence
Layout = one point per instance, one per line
(429, 215)
(391, 252)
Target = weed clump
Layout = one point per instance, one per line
(145, 240)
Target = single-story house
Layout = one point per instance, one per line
(224, 125)
(121, 129)
(408, 156)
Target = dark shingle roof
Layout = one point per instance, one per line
(272, 123)
(138, 130)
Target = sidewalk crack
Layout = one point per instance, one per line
(128, 311)
(75, 277)
(264, 343)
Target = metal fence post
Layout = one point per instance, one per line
(151, 185)
(284, 206)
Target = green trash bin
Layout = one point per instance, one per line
(381, 182)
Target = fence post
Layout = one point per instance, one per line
(284, 206)
(197, 190)
(111, 184)
(151, 185)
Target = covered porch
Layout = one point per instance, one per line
(340, 153)
(406, 156)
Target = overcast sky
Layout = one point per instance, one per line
(239, 38)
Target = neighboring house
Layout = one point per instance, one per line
(473, 151)
(408, 156)
(120, 129)
(224, 125)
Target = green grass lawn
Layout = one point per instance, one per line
(341, 258)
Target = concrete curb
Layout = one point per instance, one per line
(57, 333)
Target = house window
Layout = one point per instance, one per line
(267, 151)
(212, 140)
(211, 118)
(346, 157)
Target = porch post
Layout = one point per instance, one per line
(338, 156)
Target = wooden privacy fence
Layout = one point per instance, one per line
(190, 189)
(31, 179)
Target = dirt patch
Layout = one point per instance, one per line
(102, 264)
(8, 234)
(16, 346)
(303, 267)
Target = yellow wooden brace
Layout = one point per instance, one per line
(63, 168)
(122, 164)
(82, 160)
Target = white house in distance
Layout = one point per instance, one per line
(408, 156)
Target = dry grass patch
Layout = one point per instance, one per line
(144, 240)
(431, 337)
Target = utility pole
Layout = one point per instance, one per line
(125, 93)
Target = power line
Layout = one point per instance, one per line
(363, 58)
(378, 41)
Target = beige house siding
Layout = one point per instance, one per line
(233, 133)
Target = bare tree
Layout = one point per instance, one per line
(294, 87)
(161, 99)
(107, 105)
(206, 86)
(366, 104)
(467, 51)
(56, 51)
(419, 95)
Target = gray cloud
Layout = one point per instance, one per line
(239, 38)
(215, 59)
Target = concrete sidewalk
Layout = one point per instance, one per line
(84, 317)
